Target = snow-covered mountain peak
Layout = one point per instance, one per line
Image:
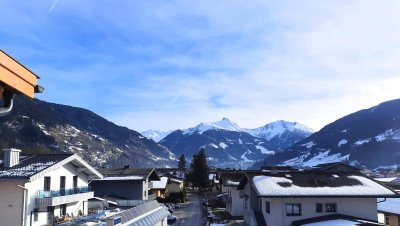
(227, 124)
(224, 124)
(155, 135)
(277, 128)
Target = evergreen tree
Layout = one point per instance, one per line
(199, 170)
(182, 163)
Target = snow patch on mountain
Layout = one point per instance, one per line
(362, 141)
(308, 145)
(342, 142)
(389, 134)
(324, 157)
(223, 145)
(264, 150)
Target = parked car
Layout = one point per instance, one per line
(171, 219)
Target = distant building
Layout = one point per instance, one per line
(38, 189)
(329, 194)
(126, 186)
(389, 211)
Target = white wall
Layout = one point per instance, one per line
(236, 208)
(11, 199)
(357, 207)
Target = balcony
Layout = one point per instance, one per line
(63, 196)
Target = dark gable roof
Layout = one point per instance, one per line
(334, 167)
(226, 178)
(126, 171)
(30, 165)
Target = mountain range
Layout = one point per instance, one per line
(44, 127)
(367, 138)
(228, 145)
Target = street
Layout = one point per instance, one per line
(191, 212)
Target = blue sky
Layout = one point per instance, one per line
(172, 64)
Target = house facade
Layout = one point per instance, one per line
(284, 199)
(126, 186)
(37, 190)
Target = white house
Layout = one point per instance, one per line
(230, 181)
(298, 198)
(34, 190)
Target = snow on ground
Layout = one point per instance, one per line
(270, 186)
(223, 145)
(264, 150)
(342, 142)
(308, 144)
(240, 141)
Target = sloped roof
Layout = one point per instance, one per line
(31, 167)
(391, 205)
(232, 179)
(160, 184)
(130, 173)
(149, 213)
(316, 184)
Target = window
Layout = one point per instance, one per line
(293, 209)
(75, 181)
(318, 208)
(267, 207)
(35, 214)
(46, 186)
(330, 207)
(386, 220)
(241, 194)
(145, 193)
(50, 210)
(63, 210)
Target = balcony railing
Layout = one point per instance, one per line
(63, 192)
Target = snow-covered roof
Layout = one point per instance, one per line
(32, 167)
(128, 173)
(305, 184)
(386, 179)
(231, 183)
(161, 184)
(175, 180)
(390, 205)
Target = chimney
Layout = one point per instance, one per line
(11, 157)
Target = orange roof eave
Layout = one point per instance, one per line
(16, 76)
